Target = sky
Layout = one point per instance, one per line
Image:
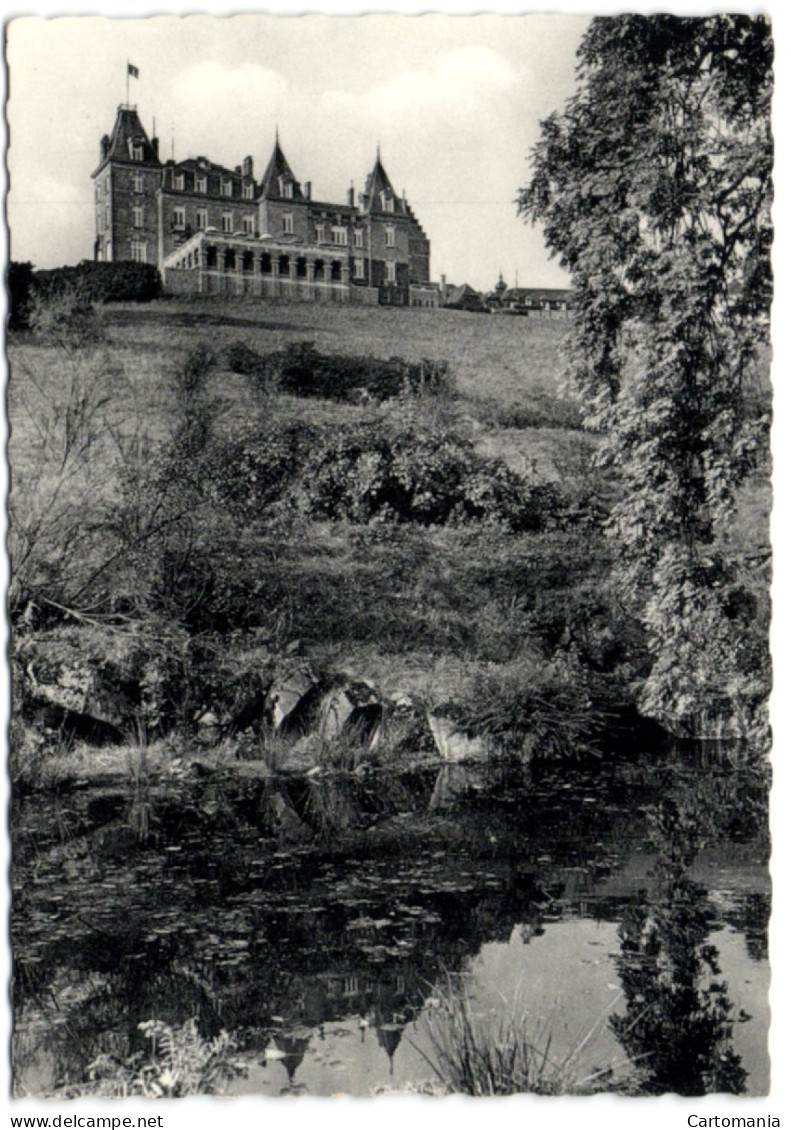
(453, 101)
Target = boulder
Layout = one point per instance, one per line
(293, 700)
(353, 709)
(454, 744)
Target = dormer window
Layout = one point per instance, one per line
(200, 184)
(248, 191)
(286, 188)
(178, 182)
(136, 149)
(227, 188)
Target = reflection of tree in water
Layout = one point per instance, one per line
(678, 1023)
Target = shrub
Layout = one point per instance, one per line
(103, 282)
(20, 292)
(302, 370)
(379, 470)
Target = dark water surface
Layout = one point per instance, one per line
(622, 907)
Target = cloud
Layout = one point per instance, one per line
(464, 84)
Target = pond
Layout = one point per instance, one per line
(344, 929)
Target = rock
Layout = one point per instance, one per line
(302, 757)
(351, 709)
(453, 744)
(293, 699)
(209, 728)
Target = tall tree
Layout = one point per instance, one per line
(654, 189)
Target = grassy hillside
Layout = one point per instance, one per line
(445, 544)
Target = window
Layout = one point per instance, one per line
(178, 181)
(137, 151)
(286, 188)
(340, 236)
(179, 219)
(138, 251)
(359, 237)
(201, 219)
(247, 191)
(321, 233)
(227, 188)
(248, 225)
(137, 217)
(200, 184)
(390, 272)
(359, 268)
(227, 221)
(288, 224)
(138, 182)
(389, 236)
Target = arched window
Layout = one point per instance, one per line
(283, 265)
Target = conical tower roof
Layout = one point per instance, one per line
(128, 132)
(377, 188)
(278, 174)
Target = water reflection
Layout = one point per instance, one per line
(679, 1020)
(312, 918)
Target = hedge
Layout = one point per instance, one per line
(103, 282)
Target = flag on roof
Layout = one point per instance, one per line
(133, 71)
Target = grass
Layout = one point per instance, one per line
(509, 1053)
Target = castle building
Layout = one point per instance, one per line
(213, 230)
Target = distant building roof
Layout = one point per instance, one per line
(536, 294)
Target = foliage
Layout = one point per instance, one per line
(301, 369)
(61, 485)
(678, 1022)
(541, 710)
(477, 1053)
(180, 1062)
(654, 188)
(20, 291)
(102, 282)
(400, 469)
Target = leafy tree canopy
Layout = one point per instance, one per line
(654, 189)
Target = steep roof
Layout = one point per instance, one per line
(376, 183)
(128, 129)
(278, 171)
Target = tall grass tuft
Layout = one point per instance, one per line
(480, 1054)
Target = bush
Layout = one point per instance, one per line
(103, 282)
(380, 470)
(302, 370)
(21, 281)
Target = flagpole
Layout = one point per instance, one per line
(127, 82)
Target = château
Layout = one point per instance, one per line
(214, 230)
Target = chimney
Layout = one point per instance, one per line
(247, 167)
(155, 146)
(238, 170)
(443, 286)
(306, 188)
(105, 144)
(350, 195)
